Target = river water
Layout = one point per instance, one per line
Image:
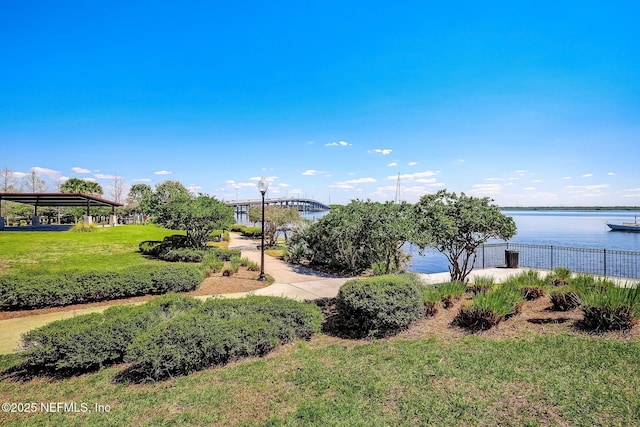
(570, 228)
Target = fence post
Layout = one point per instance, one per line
(551, 258)
(605, 262)
(483, 256)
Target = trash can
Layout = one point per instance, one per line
(511, 258)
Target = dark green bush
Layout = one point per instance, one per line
(27, 291)
(150, 247)
(225, 254)
(380, 305)
(252, 232)
(182, 255)
(238, 228)
(220, 331)
(89, 341)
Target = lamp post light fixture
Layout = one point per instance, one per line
(263, 186)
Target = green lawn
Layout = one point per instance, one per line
(545, 380)
(108, 248)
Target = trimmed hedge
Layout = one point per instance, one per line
(379, 306)
(25, 291)
(220, 331)
(93, 340)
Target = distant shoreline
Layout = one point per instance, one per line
(570, 208)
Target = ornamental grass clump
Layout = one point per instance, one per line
(490, 308)
(563, 298)
(432, 300)
(530, 283)
(481, 284)
(608, 307)
(450, 292)
(559, 276)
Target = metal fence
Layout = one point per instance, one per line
(603, 262)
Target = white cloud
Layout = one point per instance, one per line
(77, 169)
(361, 181)
(232, 184)
(483, 190)
(193, 189)
(632, 192)
(341, 186)
(105, 176)
(383, 151)
(611, 174)
(64, 179)
(90, 179)
(283, 185)
(266, 178)
(53, 174)
(529, 188)
(587, 175)
(567, 177)
(393, 164)
(494, 179)
(311, 172)
(414, 176)
(141, 180)
(162, 172)
(337, 144)
(587, 190)
(413, 163)
(19, 174)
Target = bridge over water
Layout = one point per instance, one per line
(302, 204)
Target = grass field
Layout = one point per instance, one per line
(545, 380)
(108, 248)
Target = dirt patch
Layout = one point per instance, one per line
(242, 281)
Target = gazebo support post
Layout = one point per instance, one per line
(113, 220)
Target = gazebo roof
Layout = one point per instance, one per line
(58, 199)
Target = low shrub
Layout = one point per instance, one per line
(489, 309)
(28, 291)
(238, 228)
(225, 254)
(221, 331)
(93, 340)
(252, 232)
(182, 255)
(150, 247)
(83, 227)
(219, 236)
(379, 305)
(211, 263)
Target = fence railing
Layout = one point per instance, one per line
(603, 262)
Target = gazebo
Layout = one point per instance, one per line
(58, 200)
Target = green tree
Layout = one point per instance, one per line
(141, 199)
(356, 236)
(77, 185)
(198, 216)
(457, 225)
(276, 219)
(167, 190)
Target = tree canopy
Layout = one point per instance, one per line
(198, 216)
(356, 237)
(276, 219)
(457, 225)
(76, 185)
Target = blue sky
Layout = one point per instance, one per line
(529, 103)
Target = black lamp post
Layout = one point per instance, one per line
(263, 186)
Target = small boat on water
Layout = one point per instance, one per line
(626, 226)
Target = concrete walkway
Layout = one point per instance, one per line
(295, 282)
